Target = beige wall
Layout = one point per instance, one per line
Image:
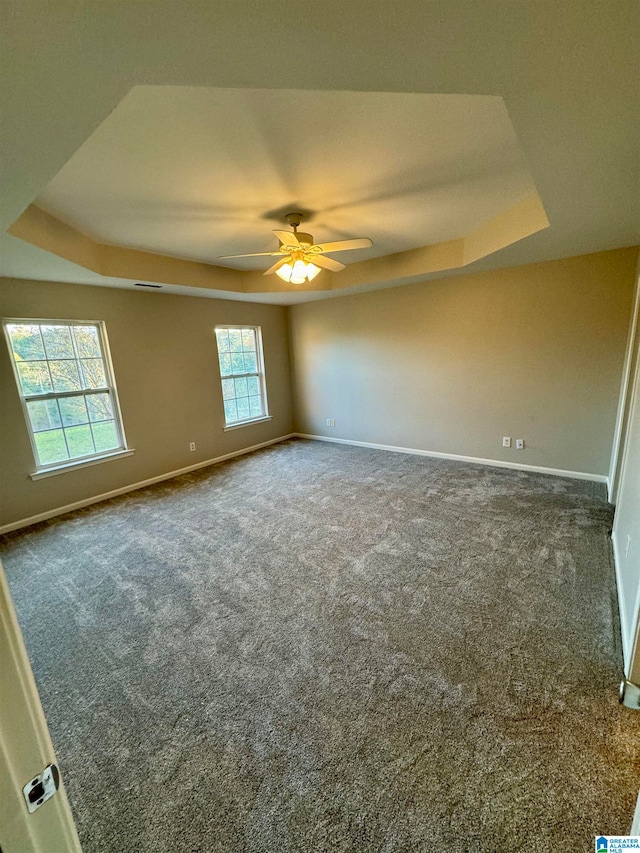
(451, 366)
(165, 364)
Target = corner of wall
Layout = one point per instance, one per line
(292, 369)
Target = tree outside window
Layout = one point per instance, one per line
(65, 383)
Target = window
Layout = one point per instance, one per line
(67, 390)
(242, 374)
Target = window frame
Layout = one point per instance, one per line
(260, 374)
(110, 387)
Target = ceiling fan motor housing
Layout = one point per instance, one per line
(303, 239)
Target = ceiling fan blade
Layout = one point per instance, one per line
(277, 265)
(326, 263)
(251, 255)
(287, 238)
(344, 245)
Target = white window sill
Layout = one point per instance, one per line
(247, 423)
(81, 463)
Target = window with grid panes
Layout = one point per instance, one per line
(64, 379)
(242, 374)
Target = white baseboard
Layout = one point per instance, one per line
(495, 463)
(51, 513)
(624, 628)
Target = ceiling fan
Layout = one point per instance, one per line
(299, 258)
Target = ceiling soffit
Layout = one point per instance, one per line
(176, 176)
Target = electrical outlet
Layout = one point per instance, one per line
(331, 422)
(626, 550)
(506, 441)
(192, 445)
(519, 443)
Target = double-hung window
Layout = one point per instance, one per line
(66, 385)
(242, 374)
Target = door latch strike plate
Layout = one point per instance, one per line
(41, 788)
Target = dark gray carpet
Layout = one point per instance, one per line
(326, 648)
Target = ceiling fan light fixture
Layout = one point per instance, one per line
(296, 247)
(312, 271)
(298, 272)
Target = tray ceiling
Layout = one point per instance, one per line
(195, 172)
(139, 147)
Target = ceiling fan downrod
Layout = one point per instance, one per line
(294, 220)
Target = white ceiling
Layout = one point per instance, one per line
(197, 173)
(566, 72)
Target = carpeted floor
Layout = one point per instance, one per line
(326, 648)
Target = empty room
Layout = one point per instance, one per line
(320, 426)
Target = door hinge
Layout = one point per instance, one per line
(629, 694)
(41, 788)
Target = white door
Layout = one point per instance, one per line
(25, 750)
